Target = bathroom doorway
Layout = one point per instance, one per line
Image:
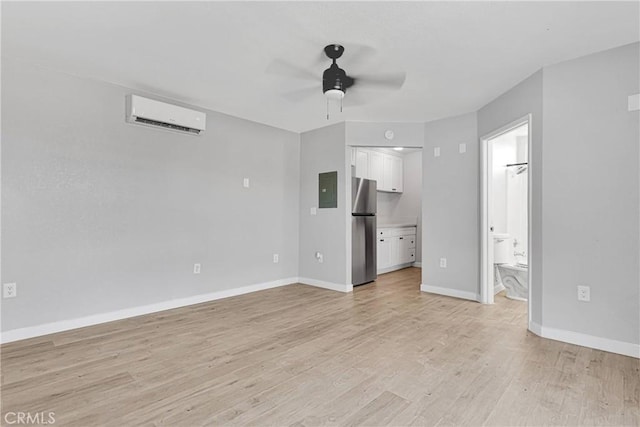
(506, 212)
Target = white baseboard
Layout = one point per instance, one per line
(65, 325)
(497, 289)
(584, 340)
(450, 292)
(535, 328)
(326, 285)
(417, 264)
(394, 268)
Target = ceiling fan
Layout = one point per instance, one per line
(335, 80)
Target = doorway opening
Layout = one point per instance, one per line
(396, 176)
(506, 213)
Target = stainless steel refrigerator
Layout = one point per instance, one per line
(363, 230)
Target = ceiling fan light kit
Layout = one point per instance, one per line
(336, 81)
(334, 94)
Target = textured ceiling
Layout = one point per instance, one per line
(457, 55)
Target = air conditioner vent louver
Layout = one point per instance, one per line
(161, 115)
(167, 125)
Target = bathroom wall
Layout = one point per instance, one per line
(509, 192)
(504, 153)
(517, 221)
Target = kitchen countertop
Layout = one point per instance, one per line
(396, 225)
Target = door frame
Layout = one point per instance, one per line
(486, 244)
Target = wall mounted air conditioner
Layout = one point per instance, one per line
(148, 112)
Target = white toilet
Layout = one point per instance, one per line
(513, 278)
(501, 245)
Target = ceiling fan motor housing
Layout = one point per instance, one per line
(336, 78)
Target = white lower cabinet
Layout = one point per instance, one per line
(406, 252)
(384, 252)
(396, 248)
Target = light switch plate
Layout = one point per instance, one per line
(443, 263)
(196, 268)
(245, 183)
(314, 211)
(462, 148)
(436, 152)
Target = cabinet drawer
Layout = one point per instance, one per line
(404, 231)
(385, 232)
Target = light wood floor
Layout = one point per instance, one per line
(297, 355)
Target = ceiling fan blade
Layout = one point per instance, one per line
(381, 81)
(357, 99)
(357, 53)
(298, 95)
(282, 67)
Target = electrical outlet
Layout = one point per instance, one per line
(313, 211)
(443, 262)
(196, 268)
(320, 257)
(9, 290)
(584, 293)
(245, 183)
(462, 148)
(276, 258)
(436, 152)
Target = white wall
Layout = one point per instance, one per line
(101, 215)
(323, 150)
(372, 134)
(525, 98)
(450, 206)
(591, 211)
(585, 201)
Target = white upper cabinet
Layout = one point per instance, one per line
(396, 174)
(362, 164)
(376, 160)
(385, 169)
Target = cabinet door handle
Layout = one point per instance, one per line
(382, 240)
(401, 238)
(393, 189)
